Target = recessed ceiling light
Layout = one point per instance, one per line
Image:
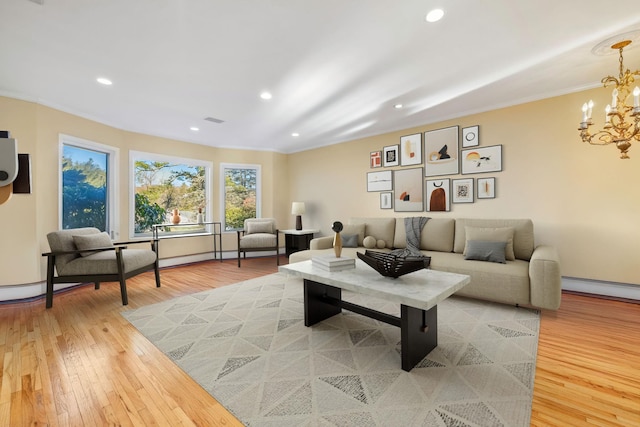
(435, 15)
(397, 106)
(295, 134)
(194, 128)
(266, 95)
(104, 81)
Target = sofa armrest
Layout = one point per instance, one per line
(325, 242)
(545, 277)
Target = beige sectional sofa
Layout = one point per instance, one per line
(531, 278)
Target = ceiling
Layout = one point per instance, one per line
(336, 68)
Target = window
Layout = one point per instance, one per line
(240, 194)
(88, 185)
(162, 185)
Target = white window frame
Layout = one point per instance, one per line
(113, 223)
(155, 157)
(223, 189)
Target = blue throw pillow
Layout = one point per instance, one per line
(483, 250)
(349, 240)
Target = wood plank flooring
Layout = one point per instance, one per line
(80, 363)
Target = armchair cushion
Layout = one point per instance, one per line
(254, 227)
(106, 262)
(92, 241)
(258, 240)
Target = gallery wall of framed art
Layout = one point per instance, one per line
(422, 171)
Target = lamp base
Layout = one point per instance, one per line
(298, 222)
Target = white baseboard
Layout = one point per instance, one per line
(28, 291)
(609, 289)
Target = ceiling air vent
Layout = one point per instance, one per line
(213, 120)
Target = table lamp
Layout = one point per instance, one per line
(297, 208)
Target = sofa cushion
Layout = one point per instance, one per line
(357, 229)
(380, 228)
(491, 234)
(483, 250)
(523, 243)
(349, 240)
(86, 242)
(437, 235)
(506, 283)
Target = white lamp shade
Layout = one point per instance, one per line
(297, 208)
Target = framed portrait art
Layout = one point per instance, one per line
(462, 191)
(438, 195)
(390, 156)
(379, 181)
(386, 200)
(375, 159)
(482, 159)
(441, 151)
(411, 150)
(408, 190)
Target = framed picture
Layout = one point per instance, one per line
(408, 190)
(471, 136)
(481, 160)
(379, 181)
(486, 188)
(390, 156)
(375, 159)
(438, 197)
(386, 200)
(462, 191)
(411, 150)
(441, 151)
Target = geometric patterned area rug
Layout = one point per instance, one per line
(246, 344)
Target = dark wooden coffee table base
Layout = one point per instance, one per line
(418, 328)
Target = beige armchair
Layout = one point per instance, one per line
(88, 255)
(259, 234)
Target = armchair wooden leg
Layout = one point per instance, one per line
(123, 291)
(238, 257)
(156, 270)
(97, 285)
(49, 299)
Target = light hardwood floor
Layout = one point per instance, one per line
(80, 363)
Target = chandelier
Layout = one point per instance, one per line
(622, 121)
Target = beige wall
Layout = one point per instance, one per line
(583, 199)
(26, 219)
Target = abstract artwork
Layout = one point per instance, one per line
(471, 136)
(441, 151)
(379, 181)
(486, 188)
(462, 191)
(408, 190)
(411, 150)
(375, 159)
(386, 200)
(390, 156)
(481, 160)
(438, 197)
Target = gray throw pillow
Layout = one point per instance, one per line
(483, 250)
(349, 240)
(92, 241)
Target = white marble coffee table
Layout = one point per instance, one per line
(418, 294)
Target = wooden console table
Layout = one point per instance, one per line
(192, 230)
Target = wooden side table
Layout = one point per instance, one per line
(297, 240)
